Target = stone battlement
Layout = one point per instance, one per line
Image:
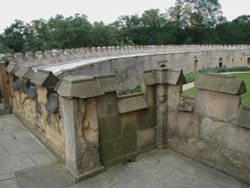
(59, 55)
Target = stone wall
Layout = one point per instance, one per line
(129, 69)
(213, 128)
(35, 102)
(84, 119)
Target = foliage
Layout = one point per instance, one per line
(136, 89)
(190, 77)
(245, 98)
(224, 69)
(187, 22)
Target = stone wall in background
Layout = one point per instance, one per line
(129, 69)
(213, 128)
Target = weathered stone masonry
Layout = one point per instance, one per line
(82, 118)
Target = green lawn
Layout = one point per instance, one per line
(245, 98)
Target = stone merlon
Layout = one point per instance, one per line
(44, 78)
(221, 83)
(87, 86)
(12, 68)
(24, 72)
(164, 76)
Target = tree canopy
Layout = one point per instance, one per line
(187, 22)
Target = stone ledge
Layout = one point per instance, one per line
(221, 83)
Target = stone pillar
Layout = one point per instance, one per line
(161, 130)
(80, 121)
(4, 87)
(81, 139)
(162, 79)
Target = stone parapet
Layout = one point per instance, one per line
(221, 83)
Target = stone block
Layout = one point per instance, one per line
(107, 105)
(126, 145)
(223, 107)
(221, 83)
(214, 132)
(44, 78)
(238, 139)
(183, 125)
(173, 77)
(207, 152)
(146, 118)
(129, 124)
(79, 86)
(110, 128)
(53, 103)
(173, 94)
(186, 103)
(146, 138)
(17, 85)
(243, 119)
(150, 95)
(12, 68)
(164, 76)
(107, 83)
(234, 163)
(107, 151)
(31, 92)
(149, 77)
(24, 72)
(130, 103)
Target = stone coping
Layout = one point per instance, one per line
(221, 83)
(87, 86)
(164, 76)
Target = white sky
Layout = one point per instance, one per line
(96, 10)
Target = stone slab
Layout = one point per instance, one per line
(221, 106)
(45, 176)
(131, 103)
(146, 138)
(110, 128)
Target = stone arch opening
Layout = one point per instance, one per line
(196, 65)
(220, 62)
(248, 60)
(163, 66)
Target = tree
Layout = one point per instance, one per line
(13, 37)
(196, 13)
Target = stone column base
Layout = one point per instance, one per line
(85, 175)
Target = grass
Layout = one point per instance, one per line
(245, 98)
(190, 77)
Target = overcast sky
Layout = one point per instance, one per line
(97, 10)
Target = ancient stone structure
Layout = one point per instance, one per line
(72, 100)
